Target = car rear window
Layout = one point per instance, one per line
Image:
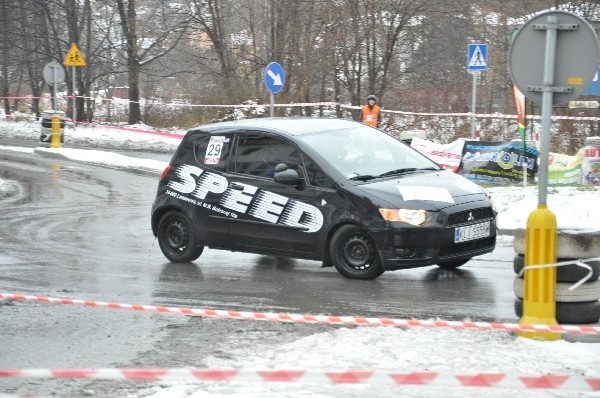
(212, 151)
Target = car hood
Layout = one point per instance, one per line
(423, 190)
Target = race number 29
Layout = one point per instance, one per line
(214, 150)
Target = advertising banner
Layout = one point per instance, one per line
(590, 168)
(446, 155)
(520, 104)
(564, 169)
(497, 162)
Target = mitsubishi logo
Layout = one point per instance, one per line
(470, 218)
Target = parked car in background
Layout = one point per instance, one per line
(407, 135)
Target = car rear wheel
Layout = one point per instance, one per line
(176, 238)
(453, 264)
(353, 254)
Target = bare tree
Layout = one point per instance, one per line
(5, 13)
(157, 45)
(128, 14)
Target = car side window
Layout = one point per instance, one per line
(257, 155)
(213, 151)
(316, 177)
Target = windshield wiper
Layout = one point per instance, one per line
(402, 171)
(364, 177)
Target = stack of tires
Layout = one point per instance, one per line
(578, 306)
(46, 132)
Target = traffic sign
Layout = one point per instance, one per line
(577, 53)
(477, 59)
(74, 57)
(274, 77)
(594, 88)
(54, 73)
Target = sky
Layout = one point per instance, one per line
(373, 348)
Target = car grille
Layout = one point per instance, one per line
(477, 215)
(467, 247)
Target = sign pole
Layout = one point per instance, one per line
(547, 99)
(476, 61)
(54, 74)
(473, 104)
(541, 236)
(74, 100)
(576, 41)
(74, 58)
(274, 80)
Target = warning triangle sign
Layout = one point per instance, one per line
(74, 57)
(477, 59)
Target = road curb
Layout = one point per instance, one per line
(52, 154)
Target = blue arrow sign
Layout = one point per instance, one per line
(274, 77)
(594, 88)
(477, 59)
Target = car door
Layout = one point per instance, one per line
(277, 218)
(201, 169)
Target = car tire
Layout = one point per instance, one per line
(566, 273)
(589, 291)
(453, 264)
(177, 239)
(354, 254)
(570, 244)
(570, 313)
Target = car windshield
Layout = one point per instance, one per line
(363, 153)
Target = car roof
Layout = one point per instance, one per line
(292, 126)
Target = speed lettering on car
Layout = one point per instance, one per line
(247, 199)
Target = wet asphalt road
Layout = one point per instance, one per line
(84, 232)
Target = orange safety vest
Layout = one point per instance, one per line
(370, 116)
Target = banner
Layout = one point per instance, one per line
(519, 103)
(446, 155)
(497, 162)
(564, 169)
(590, 168)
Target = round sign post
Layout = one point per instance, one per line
(569, 48)
(274, 80)
(54, 74)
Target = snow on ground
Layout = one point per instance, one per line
(369, 348)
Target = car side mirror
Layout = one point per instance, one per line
(286, 176)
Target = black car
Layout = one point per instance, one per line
(330, 190)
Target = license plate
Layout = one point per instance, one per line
(470, 232)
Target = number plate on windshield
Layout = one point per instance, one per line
(470, 232)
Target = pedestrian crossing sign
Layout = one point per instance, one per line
(74, 57)
(477, 57)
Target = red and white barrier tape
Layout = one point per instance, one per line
(313, 319)
(493, 115)
(118, 128)
(345, 106)
(25, 396)
(424, 378)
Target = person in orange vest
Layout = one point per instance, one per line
(370, 113)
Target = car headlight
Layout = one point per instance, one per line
(413, 217)
(488, 196)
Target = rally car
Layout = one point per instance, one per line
(336, 191)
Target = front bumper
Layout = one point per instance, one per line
(401, 248)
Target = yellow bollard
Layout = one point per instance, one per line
(55, 136)
(539, 296)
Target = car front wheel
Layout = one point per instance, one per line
(353, 254)
(176, 238)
